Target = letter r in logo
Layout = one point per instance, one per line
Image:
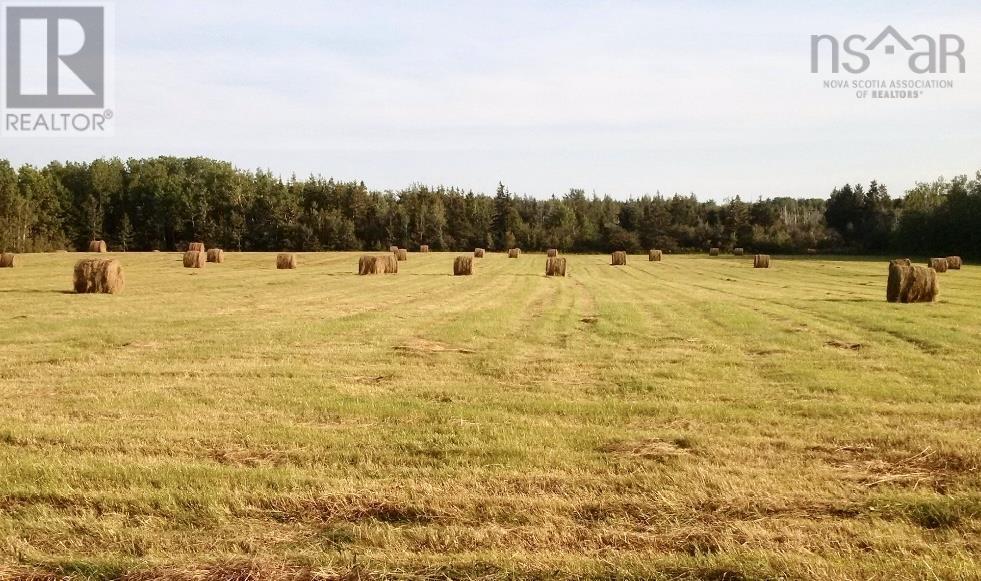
(55, 56)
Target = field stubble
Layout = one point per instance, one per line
(687, 418)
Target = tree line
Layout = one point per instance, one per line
(163, 203)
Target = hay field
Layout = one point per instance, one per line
(693, 418)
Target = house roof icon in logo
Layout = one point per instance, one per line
(890, 48)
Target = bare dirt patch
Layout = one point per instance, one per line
(427, 346)
(872, 466)
(844, 345)
(648, 448)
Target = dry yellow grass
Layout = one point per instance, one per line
(686, 419)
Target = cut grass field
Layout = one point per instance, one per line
(688, 418)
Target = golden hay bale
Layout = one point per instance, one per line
(390, 263)
(285, 261)
(195, 259)
(738, 252)
(98, 246)
(377, 265)
(479, 253)
(514, 253)
(552, 252)
(812, 251)
(393, 249)
(463, 266)
(424, 248)
(555, 267)
(654, 255)
(7, 260)
(366, 265)
(919, 285)
(196, 247)
(619, 258)
(713, 251)
(938, 264)
(99, 275)
(216, 255)
(761, 261)
(954, 262)
(899, 271)
(401, 254)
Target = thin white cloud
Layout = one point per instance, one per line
(621, 97)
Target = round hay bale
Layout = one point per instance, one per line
(393, 249)
(401, 254)
(424, 248)
(552, 252)
(98, 246)
(99, 275)
(619, 258)
(387, 264)
(216, 255)
(954, 262)
(920, 285)
(938, 264)
(713, 251)
(514, 253)
(555, 267)
(390, 263)
(738, 252)
(479, 253)
(761, 261)
(899, 271)
(195, 259)
(463, 266)
(364, 263)
(654, 255)
(812, 251)
(285, 261)
(7, 260)
(196, 247)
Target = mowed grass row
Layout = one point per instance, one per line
(694, 417)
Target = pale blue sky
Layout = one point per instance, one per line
(624, 98)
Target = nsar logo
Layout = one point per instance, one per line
(926, 54)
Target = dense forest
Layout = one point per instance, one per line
(163, 203)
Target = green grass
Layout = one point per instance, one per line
(691, 418)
